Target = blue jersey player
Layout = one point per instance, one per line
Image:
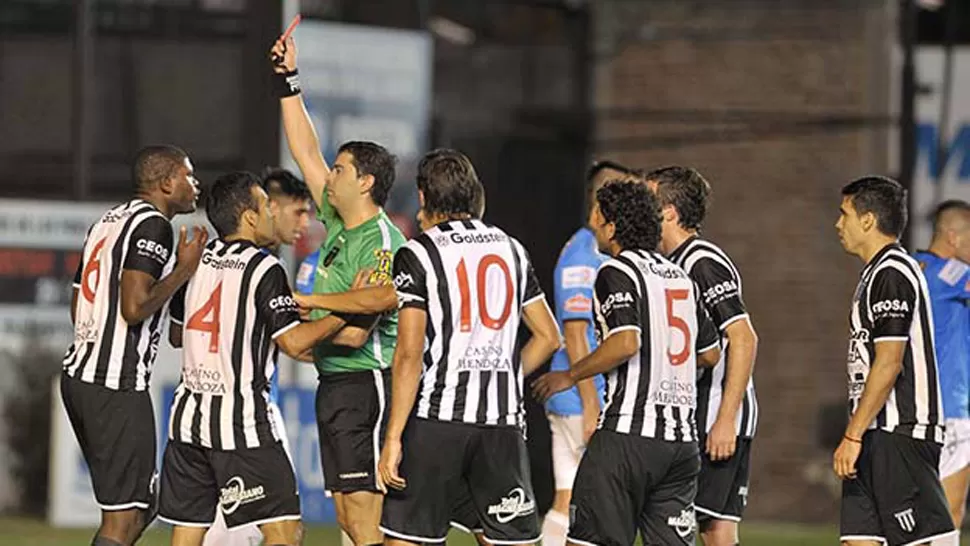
(945, 266)
(573, 414)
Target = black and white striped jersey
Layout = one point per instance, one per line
(892, 303)
(720, 287)
(231, 311)
(473, 280)
(653, 393)
(108, 351)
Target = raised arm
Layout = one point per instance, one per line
(143, 292)
(301, 137)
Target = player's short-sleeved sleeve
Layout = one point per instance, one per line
(574, 279)
(150, 246)
(176, 306)
(891, 304)
(326, 213)
(720, 290)
(708, 335)
(274, 301)
(618, 301)
(410, 280)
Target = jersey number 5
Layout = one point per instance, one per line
(200, 323)
(493, 323)
(677, 323)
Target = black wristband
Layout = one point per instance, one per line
(287, 84)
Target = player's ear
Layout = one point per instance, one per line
(366, 183)
(669, 213)
(867, 221)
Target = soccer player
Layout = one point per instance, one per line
(289, 204)
(354, 382)
(456, 420)
(124, 281)
(945, 266)
(890, 452)
(573, 414)
(639, 470)
(727, 409)
(233, 318)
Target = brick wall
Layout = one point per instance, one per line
(769, 103)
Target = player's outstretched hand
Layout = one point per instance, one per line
(722, 440)
(190, 251)
(283, 55)
(846, 455)
(387, 467)
(551, 383)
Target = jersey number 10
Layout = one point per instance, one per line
(465, 318)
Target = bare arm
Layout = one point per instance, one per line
(367, 301)
(882, 376)
(301, 137)
(742, 349)
(301, 338)
(545, 340)
(74, 305)
(577, 347)
(406, 369)
(142, 296)
(175, 335)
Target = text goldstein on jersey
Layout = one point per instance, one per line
(225, 263)
(478, 238)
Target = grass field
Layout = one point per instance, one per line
(18, 532)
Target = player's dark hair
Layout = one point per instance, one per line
(686, 190)
(283, 183)
(947, 206)
(373, 159)
(884, 198)
(450, 184)
(228, 198)
(634, 210)
(602, 165)
(155, 164)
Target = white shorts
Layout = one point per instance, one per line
(567, 448)
(955, 455)
(246, 535)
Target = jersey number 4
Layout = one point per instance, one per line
(201, 323)
(465, 318)
(677, 323)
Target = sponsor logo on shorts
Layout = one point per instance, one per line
(743, 493)
(906, 520)
(354, 475)
(235, 494)
(512, 506)
(684, 522)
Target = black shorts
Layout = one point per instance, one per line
(251, 486)
(627, 482)
(351, 417)
(116, 432)
(443, 461)
(896, 495)
(464, 515)
(722, 486)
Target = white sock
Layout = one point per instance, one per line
(554, 529)
(345, 539)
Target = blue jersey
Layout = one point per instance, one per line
(574, 277)
(949, 285)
